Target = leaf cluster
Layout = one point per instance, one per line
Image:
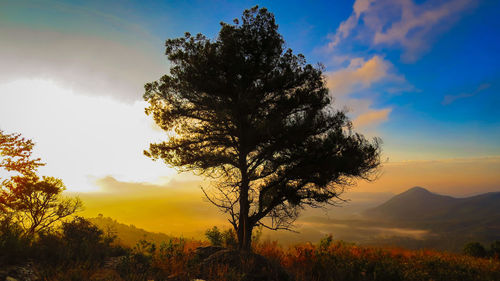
(32, 201)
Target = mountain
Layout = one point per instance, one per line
(418, 205)
(450, 222)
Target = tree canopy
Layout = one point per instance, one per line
(32, 201)
(259, 120)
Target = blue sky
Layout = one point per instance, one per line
(422, 75)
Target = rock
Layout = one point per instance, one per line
(114, 262)
(19, 273)
(202, 253)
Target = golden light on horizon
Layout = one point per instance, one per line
(82, 137)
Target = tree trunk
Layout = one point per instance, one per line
(244, 225)
(245, 235)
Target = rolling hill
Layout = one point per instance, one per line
(127, 235)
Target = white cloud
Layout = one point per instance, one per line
(402, 24)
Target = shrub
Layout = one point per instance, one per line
(227, 238)
(495, 249)
(214, 236)
(14, 246)
(475, 249)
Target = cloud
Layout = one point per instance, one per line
(402, 24)
(347, 84)
(372, 117)
(89, 64)
(345, 27)
(82, 137)
(448, 99)
(359, 75)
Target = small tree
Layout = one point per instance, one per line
(33, 202)
(258, 120)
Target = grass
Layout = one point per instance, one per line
(335, 260)
(82, 252)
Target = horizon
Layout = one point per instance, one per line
(423, 76)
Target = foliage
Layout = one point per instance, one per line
(175, 259)
(37, 203)
(147, 261)
(14, 247)
(495, 249)
(475, 249)
(337, 260)
(127, 235)
(34, 203)
(258, 120)
(85, 241)
(16, 153)
(214, 236)
(78, 241)
(226, 239)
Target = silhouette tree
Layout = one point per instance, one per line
(34, 203)
(258, 120)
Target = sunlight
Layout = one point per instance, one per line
(82, 138)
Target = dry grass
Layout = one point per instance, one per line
(336, 260)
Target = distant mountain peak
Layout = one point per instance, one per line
(417, 192)
(418, 189)
(419, 204)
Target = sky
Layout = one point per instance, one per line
(421, 75)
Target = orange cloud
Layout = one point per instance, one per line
(358, 75)
(372, 117)
(361, 75)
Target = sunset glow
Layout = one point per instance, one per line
(424, 77)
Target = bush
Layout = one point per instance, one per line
(79, 241)
(14, 246)
(475, 249)
(226, 239)
(495, 249)
(84, 241)
(214, 236)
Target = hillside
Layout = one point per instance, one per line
(127, 235)
(451, 221)
(420, 205)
